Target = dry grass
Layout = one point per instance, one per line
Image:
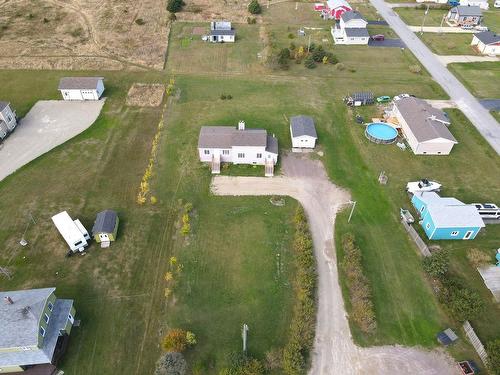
(145, 95)
(205, 10)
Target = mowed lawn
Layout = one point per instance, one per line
(480, 78)
(449, 44)
(415, 16)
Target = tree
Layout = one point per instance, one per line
(171, 364)
(254, 7)
(309, 62)
(493, 350)
(437, 264)
(174, 6)
(175, 341)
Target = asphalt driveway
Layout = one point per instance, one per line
(396, 43)
(47, 125)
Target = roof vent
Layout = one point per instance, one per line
(8, 300)
(241, 125)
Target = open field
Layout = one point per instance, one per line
(480, 78)
(492, 19)
(415, 16)
(55, 34)
(448, 44)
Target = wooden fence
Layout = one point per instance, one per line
(476, 343)
(416, 239)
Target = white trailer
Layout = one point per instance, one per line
(73, 232)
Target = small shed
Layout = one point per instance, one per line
(303, 132)
(447, 337)
(81, 88)
(105, 227)
(357, 99)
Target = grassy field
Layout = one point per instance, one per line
(415, 16)
(448, 44)
(492, 19)
(480, 78)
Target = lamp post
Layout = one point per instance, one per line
(423, 21)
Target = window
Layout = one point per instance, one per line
(241, 155)
(259, 156)
(422, 209)
(427, 226)
(454, 233)
(207, 152)
(9, 118)
(225, 152)
(50, 305)
(42, 331)
(78, 243)
(46, 318)
(70, 317)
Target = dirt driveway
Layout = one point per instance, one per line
(47, 125)
(334, 351)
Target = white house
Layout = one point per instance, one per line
(483, 4)
(81, 88)
(351, 29)
(228, 144)
(8, 119)
(303, 132)
(221, 32)
(464, 15)
(424, 127)
(487, 43)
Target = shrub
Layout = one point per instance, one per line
(478, 258)
(417, 69)
(223, 96)
(45, 20)
(464, 303)
(291, 36)
(172, 16)
(140, 21)
(292, 46)
(274, 359)
(309, 62)
(229, 97)
(186, 226)
(251, 20)
(437, 264)
(318, 54)
(493, 350)
(191, 338)
(340, 66)
(174, 6)
(171, 364)
(242, 364)
(175, 341)
(254, 7)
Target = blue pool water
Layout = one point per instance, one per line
(381, 131)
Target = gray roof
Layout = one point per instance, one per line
(229, 136)
(425, 122)
(19, 326)
(351, 15)
(487, 37)
(3, 105)
(222, 32)
(79, 83)
(105, 222)
(356, 32)
(272, 144)
(302, 125)
(467, 11)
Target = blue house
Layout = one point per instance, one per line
(446, 218)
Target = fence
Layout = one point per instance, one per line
(476, 343)
(416, 238)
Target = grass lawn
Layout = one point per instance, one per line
(496, 114)
(492, 19)
(415, 16)
(448, 44)
(480, 78)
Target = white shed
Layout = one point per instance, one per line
(303, 132)
(81, 88)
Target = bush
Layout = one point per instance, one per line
(274, 359)
(174, 6)
(172, 16)
(254, 7)
(241, 364)
(437, 264)
(140, 21)
(417, 69)
(251, 20)
(171, 364)
(309, 62)
(175, 341)
(465, 304)
(477, 258)
(340, 66)
(493, 350)
(291, 36)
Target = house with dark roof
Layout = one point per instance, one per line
(464, 15)
(105, 227)
(303, 132)
(351, 29)
(237, 145)
(34, 328)
(487, 43)
(424, 127)
(221, 32)
(446, 218)
(8, 120)
(81, 88)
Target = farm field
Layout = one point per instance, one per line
(448, 44)
(480, 78)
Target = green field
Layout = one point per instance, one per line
(229, 271)
(448, 44)
(480, 78)
(415, 16)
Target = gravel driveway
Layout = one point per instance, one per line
(334, 351)
(47, 125)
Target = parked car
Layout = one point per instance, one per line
(378, 37)
(383, 99)
(422, 185)
(401, 96)
(481, 28)
(467, 27)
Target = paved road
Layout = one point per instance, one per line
(469, 105)
(47, 125)
(334, 351)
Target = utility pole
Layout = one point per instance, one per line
(309, 43)
(352, 210)
(244, 337)
(441, 25)
(423, 21)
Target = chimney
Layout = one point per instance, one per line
(8, 300)
(241, 125)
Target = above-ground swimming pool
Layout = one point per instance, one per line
(380, 132)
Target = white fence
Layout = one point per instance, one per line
(476, 343)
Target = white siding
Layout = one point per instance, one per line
(9, 117)
(238, 155)
(304, 141)
(80, 94)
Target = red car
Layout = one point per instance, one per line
(378, 37)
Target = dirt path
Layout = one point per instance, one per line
(334, 351)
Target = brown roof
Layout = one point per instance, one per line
(79, 83)
(425, 122)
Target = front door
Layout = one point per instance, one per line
(468, 234)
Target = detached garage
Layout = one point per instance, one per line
(81, 88)
(303, 132)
